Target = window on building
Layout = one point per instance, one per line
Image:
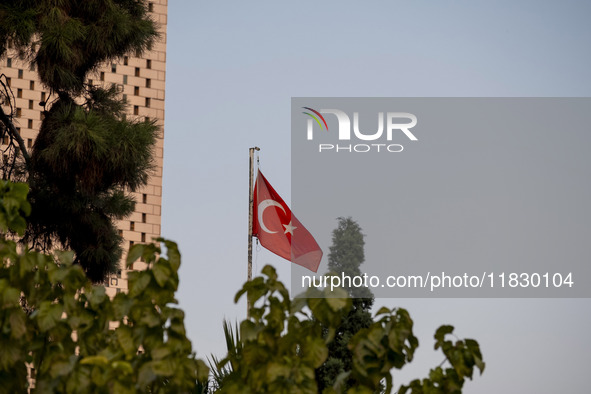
(121, 233)
(5, 140)
(137, 71)
(148, 63)
(9, 62)
(32, 67)
(30, 104)
(18, 130)
(132, 226)
(148, 83)
(125, 97)
(147, 102)
(8, 80)
(102, 75)
(119, 273)
(19, 112)
(144, 198)
(136, 90)
(125, 60)
(143, 218)
(125, 79)
(138, 53)
(42, 96)
(30, 124)
(20, 73)
(19, 93)
(90, 82)
(136, 110)
(143, 237)
(113, 68)
(150, 7)
(29, 142)
(32, 85)
(131, 243)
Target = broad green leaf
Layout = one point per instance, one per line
(160, 352)
(125, 340)
(138, 281)
(135, 252)
(336, 304)
(95, 360)
(161, 272)
(97, 296)
(48, 315)
(61, 368)
(18, 322)
(123, 367)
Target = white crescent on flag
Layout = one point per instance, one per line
(261, 209)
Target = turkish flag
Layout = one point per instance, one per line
(279, 230)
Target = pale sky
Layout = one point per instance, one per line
(232, 68)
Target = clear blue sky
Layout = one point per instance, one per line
(232, 69)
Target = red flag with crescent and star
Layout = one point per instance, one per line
(279, 231)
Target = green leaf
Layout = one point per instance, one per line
(61, 368)
(17, 320)
(276, 371)
(135, 252)
(48, 315)
(95, 360)
(336, 304)
(125, 340)
(172, 251)
(441, 333)
(123, 367)
(10, 297)
(161, 352)
(138, 281)
(97, 296)
(162, 272)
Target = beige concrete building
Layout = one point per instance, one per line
(141, 80)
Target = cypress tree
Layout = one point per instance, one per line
(345, 257)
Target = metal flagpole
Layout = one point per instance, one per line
(250, 212)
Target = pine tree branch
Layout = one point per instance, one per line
(15, 134)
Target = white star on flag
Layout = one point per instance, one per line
(289, 228)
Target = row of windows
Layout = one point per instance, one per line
(31, 83)
(102, 74)
(114, 70)
(5, 139)
(20, 71)
(126, 63)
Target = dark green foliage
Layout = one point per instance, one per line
(133, 343)
(347, 250)
(464, 356)
(346, 255)
(280, 347)
(82, 160)
(87, 156)
(76, 36)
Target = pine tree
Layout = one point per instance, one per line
(87, 157)
(345, 257)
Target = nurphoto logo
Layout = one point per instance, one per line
(395, 123)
